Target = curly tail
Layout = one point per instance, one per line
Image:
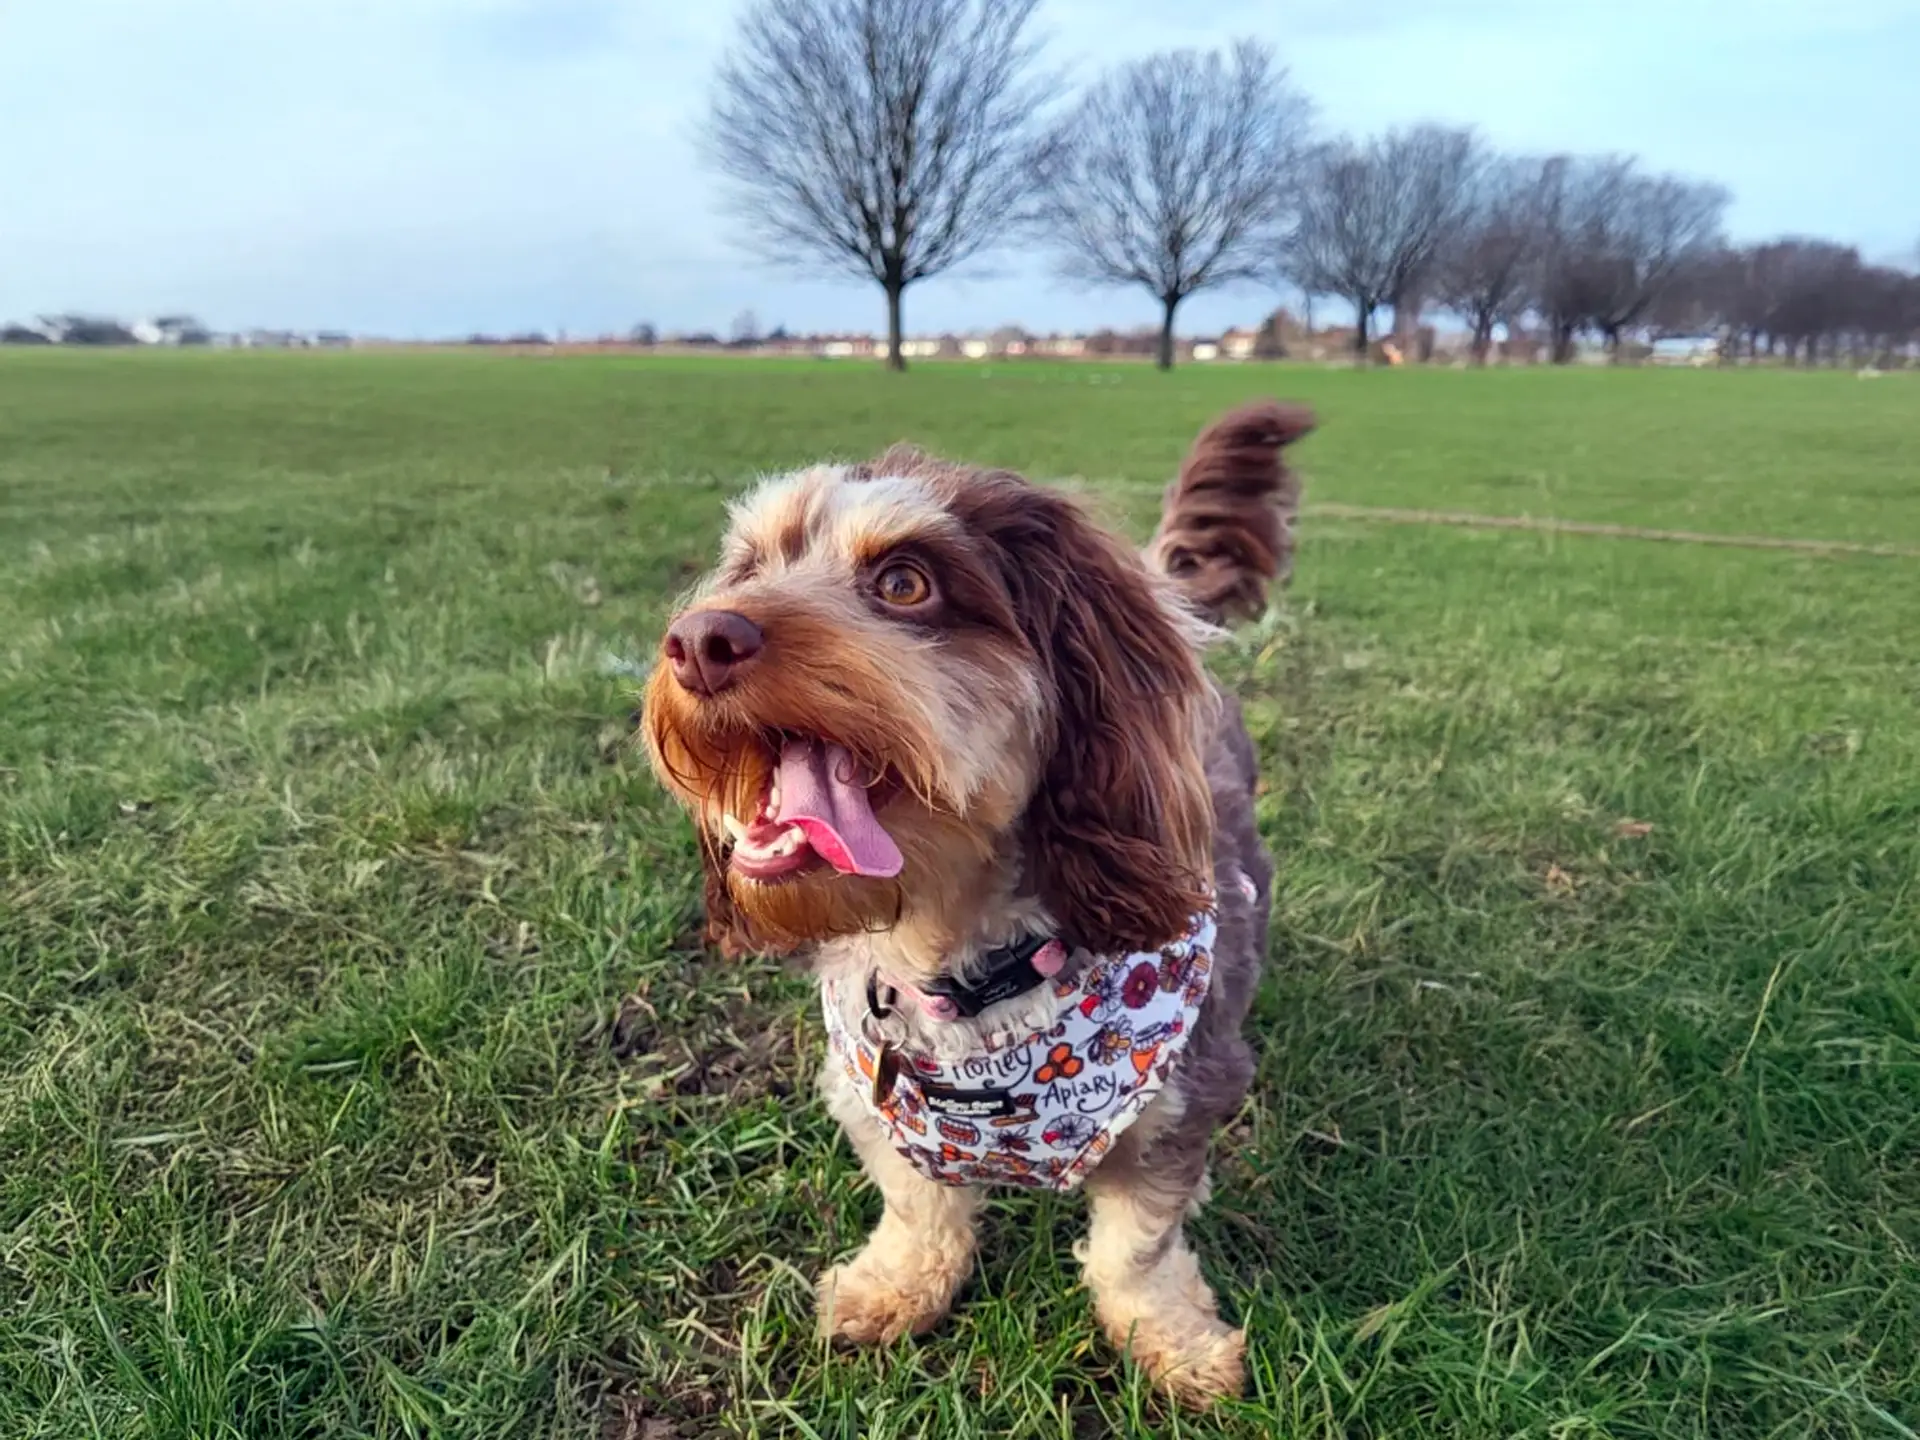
(1226, 525)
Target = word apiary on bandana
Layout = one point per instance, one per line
(1040, 1110)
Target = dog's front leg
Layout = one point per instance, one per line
(1147, 1288)
(907, 1273)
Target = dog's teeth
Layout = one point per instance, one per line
(773, 796)
(735, 829)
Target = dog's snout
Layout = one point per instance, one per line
(709, 648)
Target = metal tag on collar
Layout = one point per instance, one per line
(886, 1060)
(886, 1070)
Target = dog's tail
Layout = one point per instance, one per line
(1226, 525)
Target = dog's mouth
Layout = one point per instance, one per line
(817, 810)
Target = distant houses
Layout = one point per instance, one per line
(72, 330)
(1279, 336)
(170, 330)
(1276, 337)
(162, 331)
(1693, 350)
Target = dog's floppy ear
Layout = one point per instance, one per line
(1118, 841)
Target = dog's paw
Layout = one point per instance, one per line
(1192, 1356)
(860, 1303)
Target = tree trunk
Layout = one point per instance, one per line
(1482, 340)
(895, 359)
(1163, 358)
(1362, 314)
(1406, 326)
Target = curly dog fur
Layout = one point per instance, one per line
(1018, 697)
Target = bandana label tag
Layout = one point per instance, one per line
(968, 1104)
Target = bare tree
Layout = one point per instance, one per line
(887, 139)
(1614, 240)
(1698, 299)
(1558, 280)
(1876, 313)
(1175, 173)
(1431, 170)
(1817, 283)
(1334, 249)
(1739, 297)
(1485, 266)
(1373, 217)
(1669, 224)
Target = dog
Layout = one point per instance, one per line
(952, 741)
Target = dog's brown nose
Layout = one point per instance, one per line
(709, 648)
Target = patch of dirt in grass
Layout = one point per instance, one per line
(741, 1062)
(745, 1051)
(627, 1415)
(685, 1406)
(635, 1029)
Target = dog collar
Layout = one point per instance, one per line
(1005, 972)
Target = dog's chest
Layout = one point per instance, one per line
(1039, 1107)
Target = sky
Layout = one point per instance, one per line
(419, 168)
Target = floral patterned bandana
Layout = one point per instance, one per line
(1040, 1110)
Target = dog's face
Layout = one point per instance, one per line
(907, 678)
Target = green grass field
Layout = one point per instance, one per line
(360, 1074)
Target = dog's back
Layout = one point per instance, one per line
(1225, 537)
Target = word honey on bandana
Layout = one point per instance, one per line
(1041, 1110)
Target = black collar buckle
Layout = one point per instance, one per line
(1008, 971)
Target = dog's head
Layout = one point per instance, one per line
(907, 680)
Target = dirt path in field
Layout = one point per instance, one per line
(1394, 516)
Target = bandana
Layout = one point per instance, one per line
(1040, 1109)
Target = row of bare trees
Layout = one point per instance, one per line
(896, 139)
(1800, 299)
(1584, 243)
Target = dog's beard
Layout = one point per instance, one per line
(817, 906)
(732, 781)
(947, 865)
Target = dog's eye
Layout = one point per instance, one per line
(903, 585)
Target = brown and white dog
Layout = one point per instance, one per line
(949, 737)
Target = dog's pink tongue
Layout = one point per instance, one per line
(820, 791)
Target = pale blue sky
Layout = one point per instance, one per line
(431, 167)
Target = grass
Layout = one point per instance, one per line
(360, 1074)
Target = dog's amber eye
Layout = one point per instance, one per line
(903, 585)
